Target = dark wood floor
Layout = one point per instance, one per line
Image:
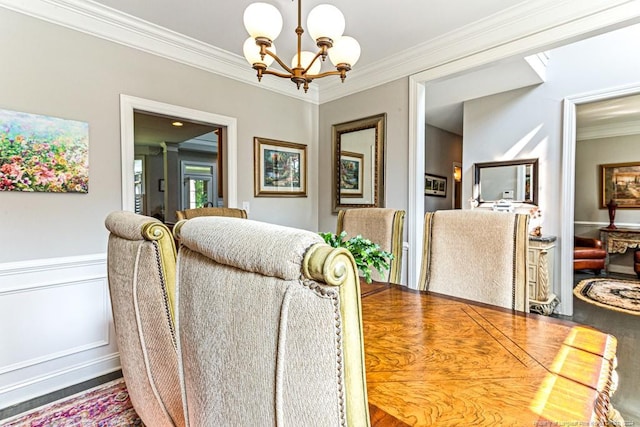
(626, 328)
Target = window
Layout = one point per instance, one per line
(200, 187)
(138, 182)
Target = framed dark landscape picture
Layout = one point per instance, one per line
(620, 182)
(351, 174)
(435, 185)
(280, 168)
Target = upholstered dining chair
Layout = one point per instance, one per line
(269, 326)
(141, 264)
(477, 255)
(382, 226)
(196, 212)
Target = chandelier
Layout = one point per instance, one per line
(325, 24)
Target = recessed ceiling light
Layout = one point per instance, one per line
(177, 124)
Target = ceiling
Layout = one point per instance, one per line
(154, 129)
(385, 30)
(219, 23)
(611, 117)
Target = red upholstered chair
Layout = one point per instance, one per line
(588, 254)
(636, 262)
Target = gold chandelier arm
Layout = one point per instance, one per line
(279, 61)
(277, 73)
(325, 74)
(311, 63)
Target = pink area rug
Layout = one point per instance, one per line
(107, 405)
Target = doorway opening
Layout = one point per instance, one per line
(217, 134)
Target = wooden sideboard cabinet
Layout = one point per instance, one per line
(617, 241)
(540, 263)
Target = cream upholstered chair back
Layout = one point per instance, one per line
(141, 263)
(196, 212)
(382, 226)
(477, 255)
(269, 327)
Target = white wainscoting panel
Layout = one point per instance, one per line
(56, 328)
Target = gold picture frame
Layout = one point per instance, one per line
(620, 182)
(366, 137)
(279, 168)
(351, 174)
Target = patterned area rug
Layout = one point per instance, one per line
(107, 405)
(619, 295)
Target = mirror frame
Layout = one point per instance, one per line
(377, 122)
(534, 182)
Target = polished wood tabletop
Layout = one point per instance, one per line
(437, 360)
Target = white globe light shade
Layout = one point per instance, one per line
(252, 52)
(325, 20)
(263, 20)
(307, 57)
(345, 51)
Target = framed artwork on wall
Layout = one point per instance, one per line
(280, 168)
(620, 182)
(435, 185)
(357, 178)
(43, 153)
(351, 174)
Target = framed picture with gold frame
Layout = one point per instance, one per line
(351, 174)
(620, 182)
(280, 168)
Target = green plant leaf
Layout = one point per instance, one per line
(365, 253)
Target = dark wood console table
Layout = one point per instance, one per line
(436, 360)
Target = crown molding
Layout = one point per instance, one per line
(521, 29)
(607, 131)
(526, 26)
(112, 25)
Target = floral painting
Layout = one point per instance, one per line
(42, 153)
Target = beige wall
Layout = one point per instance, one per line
(590, 154)
(589, 217)
(391, 98)
(51, 70)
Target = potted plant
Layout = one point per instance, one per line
(366, 253)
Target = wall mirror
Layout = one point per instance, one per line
(515, 181)
(358, 163)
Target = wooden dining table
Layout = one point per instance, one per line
(437, 360)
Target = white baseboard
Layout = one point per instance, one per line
(54, 381)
